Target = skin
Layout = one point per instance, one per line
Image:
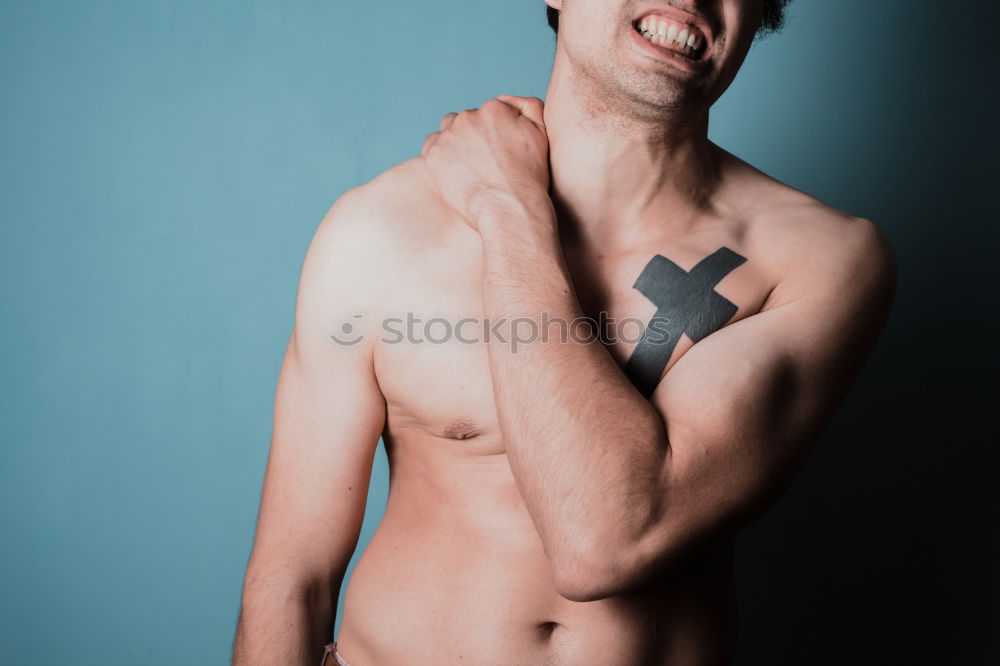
(542, 510)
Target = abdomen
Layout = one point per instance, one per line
(457, 574)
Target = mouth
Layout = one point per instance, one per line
(673, 34)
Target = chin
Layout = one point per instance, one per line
(658, 95)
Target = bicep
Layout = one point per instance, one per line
(739, 408)
(326, 429)
(328, 416)
(743, 406)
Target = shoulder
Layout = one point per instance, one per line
(376, 225)
(814, 246)
(823, 243)
(388, 210)
(369, 238)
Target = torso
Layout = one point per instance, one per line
(455, 572)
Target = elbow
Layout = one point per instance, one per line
(609, 567)
(608, 555)
(271, 588)
(582, 585)
(599, 573)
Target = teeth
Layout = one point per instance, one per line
(665, 33)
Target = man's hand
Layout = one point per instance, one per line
(492, 158)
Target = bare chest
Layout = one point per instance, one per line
(646, 307)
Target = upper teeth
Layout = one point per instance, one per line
(662, 31)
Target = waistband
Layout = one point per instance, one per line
(330, 656)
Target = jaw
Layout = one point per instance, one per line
(657, 65)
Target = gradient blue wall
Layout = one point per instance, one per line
(164, 164)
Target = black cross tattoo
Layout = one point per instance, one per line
(686, 304)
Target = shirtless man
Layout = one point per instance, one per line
(564, 502)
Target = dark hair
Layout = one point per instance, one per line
(771, 21)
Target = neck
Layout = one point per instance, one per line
(616, 169)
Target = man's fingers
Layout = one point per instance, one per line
(447, 120)
(530, 107)
(428, 142)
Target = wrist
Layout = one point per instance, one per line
(502, 215)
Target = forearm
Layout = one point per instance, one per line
(585, 447)
(283, 624)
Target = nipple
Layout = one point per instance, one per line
(461, 429)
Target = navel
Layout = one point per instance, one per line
(546, 629)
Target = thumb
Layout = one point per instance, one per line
(530, 107)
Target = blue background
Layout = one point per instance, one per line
(165, 162)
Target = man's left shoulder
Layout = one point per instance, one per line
(819, 246)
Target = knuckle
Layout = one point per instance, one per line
(429, 142)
